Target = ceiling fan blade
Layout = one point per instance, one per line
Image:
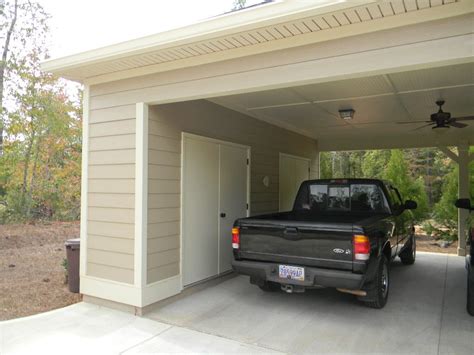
(424, 126)
(457, 124)
(408, 122)
(464, 118)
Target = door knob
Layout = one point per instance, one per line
(223, 215)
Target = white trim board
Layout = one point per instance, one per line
(84, 184)
(141, 195)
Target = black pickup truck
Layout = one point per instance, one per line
(465, 203)
(341, 233)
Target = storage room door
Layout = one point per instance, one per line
(200, 209)
(215, 192)
(293, 171)
(233, 197)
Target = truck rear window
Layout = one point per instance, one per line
(339, 198)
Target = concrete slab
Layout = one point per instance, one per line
(78, 329)
(89, 329)
(425, 314)
(182, 340)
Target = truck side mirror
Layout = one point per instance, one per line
(410, 205)
(463, 203)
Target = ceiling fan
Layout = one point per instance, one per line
(441, 119)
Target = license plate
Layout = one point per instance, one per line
(291, 272)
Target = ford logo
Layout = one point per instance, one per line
(338, 251)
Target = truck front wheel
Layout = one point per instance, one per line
(377, 293)
(408, 256)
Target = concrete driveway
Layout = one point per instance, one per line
(425, 315)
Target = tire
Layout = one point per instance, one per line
(269, 286)
(378, 293)
(408, 255)
(470, 293)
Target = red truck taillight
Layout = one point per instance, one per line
(235, 238)
(361, 246)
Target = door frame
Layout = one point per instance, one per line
(186, 135)
(279, 171)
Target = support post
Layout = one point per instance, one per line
(141, 195)
(315, 160)
(463, 192)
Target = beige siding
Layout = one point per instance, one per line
(166, 124)
(111, 198)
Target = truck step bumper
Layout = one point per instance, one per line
(314, 277)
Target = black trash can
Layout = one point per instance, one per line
(73, 247)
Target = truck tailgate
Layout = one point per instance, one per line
(298, 243)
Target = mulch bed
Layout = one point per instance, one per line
(428, 243)
(32, 276)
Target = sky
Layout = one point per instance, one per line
(80, 25)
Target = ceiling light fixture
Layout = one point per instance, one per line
(347, 114)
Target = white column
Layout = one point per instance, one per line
(141, 195)
(315, 169)
(463, 192)
(84, 180)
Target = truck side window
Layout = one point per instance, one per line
(394, 198)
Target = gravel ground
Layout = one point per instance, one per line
(428, 243)
(32, 277)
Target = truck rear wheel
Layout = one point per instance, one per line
(377, 295)
(269, 286)
(470, 292)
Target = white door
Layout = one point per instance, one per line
(293, 171)
(233, 198)
(200, 209)
(215, 190)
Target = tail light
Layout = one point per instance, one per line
(361, 245)
(235, 238)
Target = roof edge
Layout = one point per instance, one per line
(263, 15)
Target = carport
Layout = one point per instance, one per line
(186, 130)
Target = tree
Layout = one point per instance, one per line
(40, 165)
(374, 163)
(445, 213)
(43, 148)
(397, 172)
(22, 27)
(239, 4)
(325, 169)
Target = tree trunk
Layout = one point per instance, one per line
(25, 175)
(33, 175)
(3, 64)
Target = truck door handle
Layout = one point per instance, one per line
(223, 215)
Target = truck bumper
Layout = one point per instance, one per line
(314, 277)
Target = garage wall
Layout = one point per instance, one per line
(166, 123)
(111, 193)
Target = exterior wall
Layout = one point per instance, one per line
(110, 210)
(166, 123)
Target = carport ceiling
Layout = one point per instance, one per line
(379, 102)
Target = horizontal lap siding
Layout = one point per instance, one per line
(166, 124)
(164, 189)
(111, 193)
